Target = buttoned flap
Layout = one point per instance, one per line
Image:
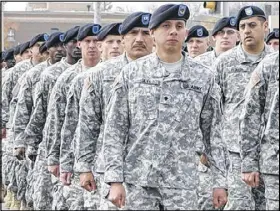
(188, 98)
(144, 98)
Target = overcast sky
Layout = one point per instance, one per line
(20, 6)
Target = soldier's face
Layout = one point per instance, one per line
(56, 52)
(36, 53)
(197, 46)
(18, 58)
(111, 47)
(252, 31)
(26, 54)
(72, 49)
(138, 42)
(226, 38)
(274, 43)
(89, 48)
(170, 35)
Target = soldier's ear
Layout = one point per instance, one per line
(187, 33)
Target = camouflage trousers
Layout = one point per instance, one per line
(240, 195)
(42, 195)
(148, 198)
(271, 191)
(205, 188)
(59, 201)
(73, 194)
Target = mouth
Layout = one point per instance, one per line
(248, 38)
(172, 40)
(139, 46)
(58, 55)
(77, 53)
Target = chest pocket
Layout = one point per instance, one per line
(144, 99)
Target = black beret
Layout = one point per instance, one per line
(136, 19)
(90, 29)
(224, 22)
(17, 49)
(110, 29)
(54, 38)
(169, 12)
(197, 31)
(2, 56)
(24, 47)
(38, 38)
(248, 12)
(70, 34)
(272, 35)
(9, 54)
(43, 48)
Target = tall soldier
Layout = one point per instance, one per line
(260, 150)
(150, 147)
(87, 42)
(111, 36)
(233, 69)
(272, 39)
(137, 43)
(225, 36)
(41, 196)
(197, 40)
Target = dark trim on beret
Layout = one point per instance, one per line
(229, 22)
(38, 38)
(54, 39)
(136, 19)
(90, 29)
(198, 31)
(110, 29)
(272, 35)
(24, 47)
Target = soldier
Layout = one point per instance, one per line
(9, 99)
(17, 55)
(150, 147)
(225, 36)
(107, 34)
(25, 51)
(87, 42)
(137, 43)
(33, 132)
(233, 69)
(197, 40)
(9, 60)
(44, 51)
(260, 150)
(272, 39)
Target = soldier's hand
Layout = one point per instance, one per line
(3, 133)
(87, 181)
(19, 153)
(65, 178)
(251, 178)
(117, 195)
(54, 169)
(219, 197)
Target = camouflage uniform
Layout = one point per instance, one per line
(148, 141)
(262, 108)
(9, 99)
(56, 114)
(42, 197)
(233, 69)
(94, 98)
(208, 58)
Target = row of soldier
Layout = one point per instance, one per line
(120, 117)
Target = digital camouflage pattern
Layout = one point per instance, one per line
(94, 99)
(8, 88)
(149, 105)
(208, 58)
(25, 102)
(259, 143)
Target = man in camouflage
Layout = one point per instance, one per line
(197, 41)
(9, 99)
(272, 40)
(110, 41)
(87, 42)
(150, 147)
(33, 131)
(259, 128)
(137, 43)
(233, 70)
(225, 36)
